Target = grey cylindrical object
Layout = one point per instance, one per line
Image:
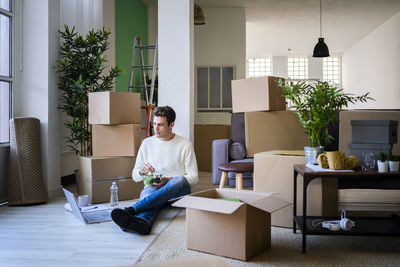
(311, 154)
(25, 184)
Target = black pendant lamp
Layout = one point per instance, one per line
(320, 49)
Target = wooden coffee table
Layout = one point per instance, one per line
(373, 226)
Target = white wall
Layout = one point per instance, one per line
(176, 61)
(221, 41)
(315, 71)
(152, 28)
(54, 114)
(279, 66)
(84, 15)
(373, 65)
(315, 68)
(109, 24)
(35, 90)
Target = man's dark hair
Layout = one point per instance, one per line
(167, 112)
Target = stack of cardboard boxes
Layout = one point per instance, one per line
(270, 127)
(237, 223)
(116, 124)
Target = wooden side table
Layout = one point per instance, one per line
(239, 168)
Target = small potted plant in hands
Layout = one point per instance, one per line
(152, 178)
(383, 157)
(394, 163)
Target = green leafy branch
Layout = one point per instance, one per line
(80, 70)
(317, 106)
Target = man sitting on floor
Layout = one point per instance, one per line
(165, 153)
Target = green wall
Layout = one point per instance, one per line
(130, 20)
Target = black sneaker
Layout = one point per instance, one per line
(129, 222)
(130, 210)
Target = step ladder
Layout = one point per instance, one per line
(147, 88)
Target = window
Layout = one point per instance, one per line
(331, 70)
(6, 79)
(297, 68)
(213, 88)
(259, 67)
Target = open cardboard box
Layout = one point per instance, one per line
(238, 230)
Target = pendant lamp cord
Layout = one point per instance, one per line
(320, 18)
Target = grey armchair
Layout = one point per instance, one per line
(231, 150)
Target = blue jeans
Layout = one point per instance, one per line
(152, 199)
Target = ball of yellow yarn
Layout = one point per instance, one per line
(322, 161)
(351, 162)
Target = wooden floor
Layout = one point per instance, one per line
(47, 235)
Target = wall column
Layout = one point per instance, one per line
(176, 62)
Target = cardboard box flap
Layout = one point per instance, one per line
(246, 196)
(269, 204)
(208, 204)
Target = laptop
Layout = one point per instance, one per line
(92, 216)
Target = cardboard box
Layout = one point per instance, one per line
(203, 137)
(346, 116)
(257, 94)
(114, 107)
(266, 131)
(274, 173)
(122, 140)
(238, 230)
(96, 175)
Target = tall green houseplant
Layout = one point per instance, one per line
(80, 70)
(317, 106)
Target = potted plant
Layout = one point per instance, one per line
(383, 157)
(394, 163)
(81, 70)
(317, 106)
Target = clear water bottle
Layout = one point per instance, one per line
(114, 194)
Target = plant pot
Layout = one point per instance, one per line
(383, 166)
(311, 154)
(394, 166)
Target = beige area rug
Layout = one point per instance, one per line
(286, 249)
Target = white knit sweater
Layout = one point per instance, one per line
(170, 158)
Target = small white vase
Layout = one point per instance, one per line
(383, 166)
(394, 166)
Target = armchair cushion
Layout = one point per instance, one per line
(237, 151)
(237, 128)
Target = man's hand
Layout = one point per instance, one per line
(146, 169)
(164, 181)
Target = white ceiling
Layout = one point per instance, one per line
(273, 26)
